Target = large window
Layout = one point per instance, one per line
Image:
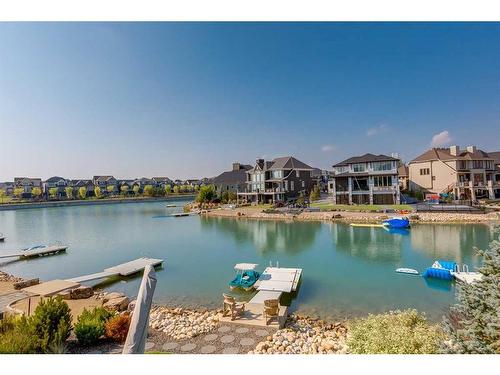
(425, 171)
(359, 167)
(382, 165)
(477, 164)
(277, 174)
(382, 181)
(340, 169)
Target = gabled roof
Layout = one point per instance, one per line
(445, 154)
(366, 158)
(289, 162)
(55, 179)
(495, 155)
(103, 178)
(403, 171)
(232, 177)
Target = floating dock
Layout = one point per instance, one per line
(37, 252)
(467, 277)
(273, 282)
(367, 225)
(124, 269)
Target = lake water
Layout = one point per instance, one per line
(347, 271)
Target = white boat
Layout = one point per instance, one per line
(170, 205)
(410, 271)
(2, 237)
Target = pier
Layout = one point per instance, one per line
(36, 252)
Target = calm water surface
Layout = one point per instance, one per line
(347, 271)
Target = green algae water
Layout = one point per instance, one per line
(348, 271)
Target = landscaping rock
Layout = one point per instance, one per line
(81, 292)
(107, 296)
(26, 283)
(117, 304)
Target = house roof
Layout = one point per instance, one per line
(365, 159)
(403, 171)
(55, 179)
(288, 162)
(103, 178)
(231, 177)
(495, 155)
(445, 154)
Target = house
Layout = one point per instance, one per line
(282, 179)
(192, 182)
(77, 184)
(27, 184)
(496, 180)
(366, 179)
(143, 182)
(468, 174)
(127, 183)
(161, 182)
(104, 182)
(56, 182)
(403, 177)
(233, 180)
(7, 187)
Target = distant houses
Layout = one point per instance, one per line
(278, 180)
(365, 179)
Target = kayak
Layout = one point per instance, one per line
(410, 271)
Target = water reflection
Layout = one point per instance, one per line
(266, 236)
(452, 241)
(371, 243)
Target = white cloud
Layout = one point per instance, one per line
(441, 139)
(376, 130)
(327, 148)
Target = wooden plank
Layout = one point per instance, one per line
(263, 295)
(36, 252)
(50, 287)
(94, 276)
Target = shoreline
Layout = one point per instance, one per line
(79, 202)
(355, 217)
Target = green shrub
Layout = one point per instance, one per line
(90, 325)
(51, 322)
(395, 332)
(206, 194)
(17, 337)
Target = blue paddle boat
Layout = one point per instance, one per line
(440, 270)
(246, 276)
(396, 222)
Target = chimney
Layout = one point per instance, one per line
(454, 150)
(471, 149)
(236, 166)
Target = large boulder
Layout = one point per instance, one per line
(81, 292)
(112, 295)
(117, 304)
(26, 283)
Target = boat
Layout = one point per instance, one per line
(410, 271)
(170, 205)
(35, 247)
(246, 276)
(397, 222)
(2, 237)
(440, 270)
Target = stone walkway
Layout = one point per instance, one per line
(226, 339)
(7, 299)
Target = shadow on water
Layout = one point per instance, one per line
(437, 284)
(117, 279)
(266, 236)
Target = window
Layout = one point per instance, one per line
(292, 187)
(382, 181)
(277, 174)
(297, 173)
(477, 164)
(340, 169)
(359, 167)
(462, 164)
(382, 166)
(303, 184)
(425, 171)
(488, 164)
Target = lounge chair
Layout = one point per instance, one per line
(231, 307)
(271, 310)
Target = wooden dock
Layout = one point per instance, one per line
(37, 252)
(124, 269)
(467, 277)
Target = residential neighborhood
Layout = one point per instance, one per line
(463, 175)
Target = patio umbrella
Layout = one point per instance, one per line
(138, 331)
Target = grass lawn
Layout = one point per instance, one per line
(360, 208)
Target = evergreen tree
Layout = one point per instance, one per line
(473, 324)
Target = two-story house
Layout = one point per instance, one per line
(7, 187)
(282, 179)
(161, 182)
(366, 179)
(77, 184)
(27, 184)
(233, 180)
(56, 182)
(104, 182)
(467, 174)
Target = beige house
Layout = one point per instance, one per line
(468, 174)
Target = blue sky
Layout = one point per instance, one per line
(187, 99)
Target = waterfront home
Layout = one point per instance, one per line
(143, 182)
(279, 180)
(57, 182)
(192, 182)
(161, 182)
(468, 174)
(7, 187)
(27, 184)
(403, 177)
(365, 179)
(77, 184)
(104, 182)
(233, 180)
(496, 180)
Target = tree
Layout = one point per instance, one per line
(69, 192)
(196, 188)
(232, 196)
(18, 192)
(2, 195)
(176, 189)
(315, 193)
(53, 192)
(168, 189)
(136, 189)
(473, 323)
(36, 192)
(206, 194)
(110, 189)
(124, 190)
(301, 200)
(97, 192)
(148, 190)
(82, 192)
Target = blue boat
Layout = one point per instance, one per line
(246, 276)
(440, 270)
(396, 222)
